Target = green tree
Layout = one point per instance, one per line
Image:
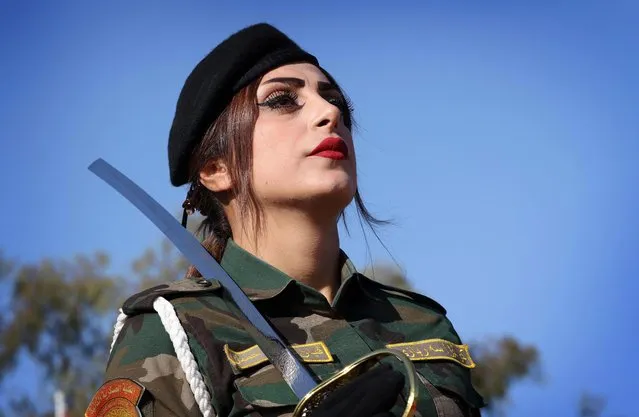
(591, 405)
(54, 313)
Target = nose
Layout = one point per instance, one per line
(328, 115)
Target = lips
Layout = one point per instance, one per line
(332, 148)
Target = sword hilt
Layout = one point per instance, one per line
(318, 394)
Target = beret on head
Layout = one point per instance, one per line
(232, 65)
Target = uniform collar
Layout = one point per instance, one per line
(261, 281)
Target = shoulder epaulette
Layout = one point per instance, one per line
(417, 297)
(142, 302)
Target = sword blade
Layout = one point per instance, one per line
(294, 372)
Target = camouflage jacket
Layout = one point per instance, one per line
(364, 316)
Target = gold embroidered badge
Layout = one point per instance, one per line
(316, 352)
(116, 398)
(432, 349)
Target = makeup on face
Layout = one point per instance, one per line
(287, 100)
(332, 148)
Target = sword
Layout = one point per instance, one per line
(296, 375)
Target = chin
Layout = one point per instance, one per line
(333, 183)
(330, 191)
(333, 194)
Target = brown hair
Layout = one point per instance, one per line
(230, 138)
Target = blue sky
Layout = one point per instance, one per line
(501, 138)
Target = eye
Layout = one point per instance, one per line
(281, 100)
(341, 103)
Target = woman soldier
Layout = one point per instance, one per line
(263, 135)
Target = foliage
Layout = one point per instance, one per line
(500, 363)
(53, 315)
(591, 405)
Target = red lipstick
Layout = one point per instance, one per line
(332, 148)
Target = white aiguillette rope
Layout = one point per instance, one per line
(178, 337)
(119, 324)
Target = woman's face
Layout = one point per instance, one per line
(303, 153)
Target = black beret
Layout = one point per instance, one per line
(233, 64)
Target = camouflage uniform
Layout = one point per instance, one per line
(364, 316)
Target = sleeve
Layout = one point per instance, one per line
(456, 394)
(143, 353)
(448, 404)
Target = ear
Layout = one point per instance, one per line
(216, 177)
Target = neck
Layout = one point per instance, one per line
(302, 247)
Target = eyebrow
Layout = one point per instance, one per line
(299, 83)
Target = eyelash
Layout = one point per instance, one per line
(283, 100)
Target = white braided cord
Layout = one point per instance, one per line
(119, 324)
(178, 337)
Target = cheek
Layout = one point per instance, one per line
(351, 146)
(275, 151)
